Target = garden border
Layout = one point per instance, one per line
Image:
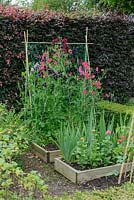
(78, 176)
(47, 156)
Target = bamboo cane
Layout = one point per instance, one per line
(27, 67)
(132, 170)
(88, 59)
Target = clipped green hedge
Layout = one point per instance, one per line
(112, 37)
(115, 107)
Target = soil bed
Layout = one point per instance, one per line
(50, 147)
(57, 184)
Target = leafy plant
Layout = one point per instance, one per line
(67, 139)
(12, 144)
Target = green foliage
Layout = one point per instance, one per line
(115, 107)
(67, 139)
(5, 2)
(101, 144)
(58, 90)
(64, 5)
(47, 25)
(123, 6)
(12, 144)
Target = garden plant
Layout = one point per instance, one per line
(60, 106)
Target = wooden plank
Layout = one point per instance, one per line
(65, 170)
(77, 176)
(47, 156)
(40, 152)
(53, 155)
(83, 176)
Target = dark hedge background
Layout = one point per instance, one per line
(113, 47)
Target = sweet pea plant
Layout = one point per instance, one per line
(62, 89)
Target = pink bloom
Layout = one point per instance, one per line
(119, 141)
(122, 137)
(70, 51)
(92, 92)
(44, 55)
(81, 71)
(107, 95)
(64, 40)
(84, 91)
(70, 73)
(108, 132)
(58, 54)
(48, 60)
(45, 75)
(66, 62)
(85, 65)
(97, 69)
(54, 41)
(42, 67)
(102, 70)
(8, 61)
(55, 62)
(97, 84)
(86, 74)
(92, 76)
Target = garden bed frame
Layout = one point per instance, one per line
(77, 176)
(47, 156)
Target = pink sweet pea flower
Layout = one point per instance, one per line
(42, 67)
(48, 60)
(64, 40)
(44, 55)
(84, 91)
(70, 73)
(97, 84)
(8, 61)
(92, 76)
(45, 75)
(92, 92)
(97, 69)
(86, 74)
(70, 51)
(85, 65)
(108, 132)
(81, 71)
(66, 62)
(55, 62)
(107, 95)
(54, 41)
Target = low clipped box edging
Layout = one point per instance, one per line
(45, 155)
(77, 176)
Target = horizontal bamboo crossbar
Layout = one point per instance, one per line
(56, 43)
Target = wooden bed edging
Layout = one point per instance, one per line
(47, 156)
(77, 176)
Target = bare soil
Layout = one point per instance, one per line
(57, 184)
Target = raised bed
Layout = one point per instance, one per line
(45, 155)
(77, 176)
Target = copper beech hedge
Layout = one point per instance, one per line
(112, 37)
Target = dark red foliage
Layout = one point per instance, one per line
(112, 38)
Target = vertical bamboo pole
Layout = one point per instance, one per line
(87, 52)
(132, 170)
(126, 149)
(27, 69)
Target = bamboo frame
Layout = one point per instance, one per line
(57, 43)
